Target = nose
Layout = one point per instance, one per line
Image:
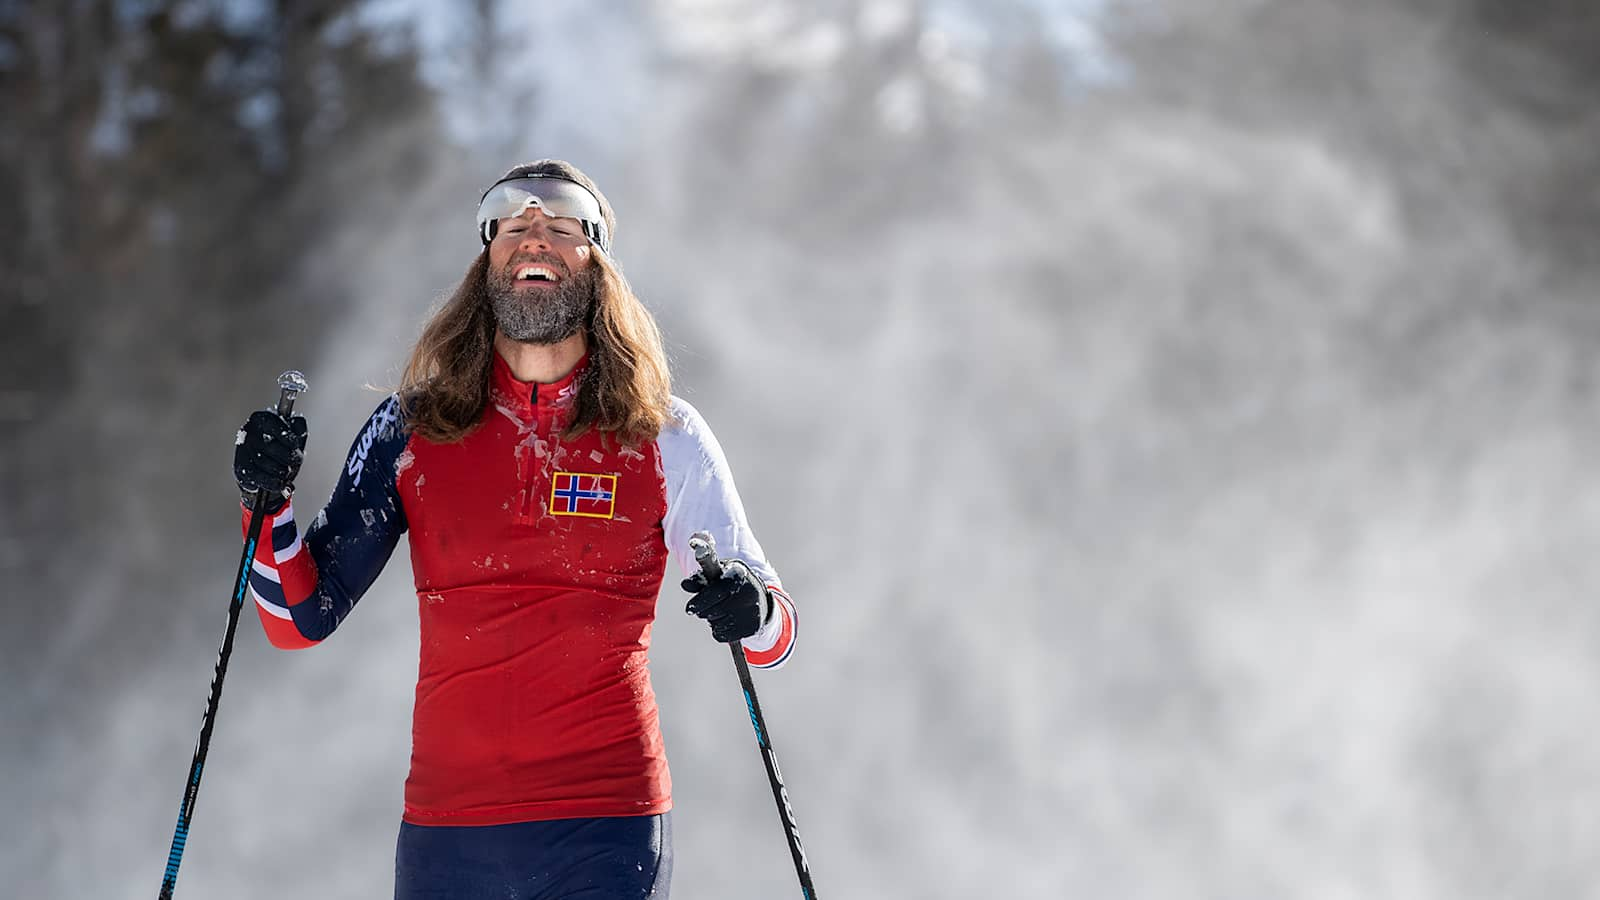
(536, 231)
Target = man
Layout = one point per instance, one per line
(541, 468)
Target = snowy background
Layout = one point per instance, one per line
(1172, 417)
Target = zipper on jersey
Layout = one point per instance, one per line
(538, 473)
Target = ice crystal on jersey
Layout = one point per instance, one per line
(404, 462)
(506, 406)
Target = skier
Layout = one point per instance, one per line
(541, 468)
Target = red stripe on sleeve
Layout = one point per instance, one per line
(299, 575)
(779, 651)
(282, 633)
(295, 577)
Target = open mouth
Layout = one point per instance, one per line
(535, 273)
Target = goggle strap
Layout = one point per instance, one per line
(596, 232)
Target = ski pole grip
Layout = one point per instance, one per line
(705, 553)
(291, 385)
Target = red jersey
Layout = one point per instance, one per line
(537, 561)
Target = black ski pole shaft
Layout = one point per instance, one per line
(705, 553)
(290, 385)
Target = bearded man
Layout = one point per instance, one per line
(540, 467)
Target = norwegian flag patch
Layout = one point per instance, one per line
(583, 494)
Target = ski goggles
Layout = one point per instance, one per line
(555, 195)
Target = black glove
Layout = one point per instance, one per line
(736, 605)
(266, 456)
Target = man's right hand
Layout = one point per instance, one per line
(266, 456)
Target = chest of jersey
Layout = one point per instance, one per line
(515, 504)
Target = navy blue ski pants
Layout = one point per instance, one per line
(623, 858)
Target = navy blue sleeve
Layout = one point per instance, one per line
(356, 532)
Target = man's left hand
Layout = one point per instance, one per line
(736, 605)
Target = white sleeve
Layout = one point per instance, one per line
(701, 497)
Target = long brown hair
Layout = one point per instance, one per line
(625, 391)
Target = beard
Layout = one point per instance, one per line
(542, 315)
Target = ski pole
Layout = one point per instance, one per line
(290, 385)
(705, 553)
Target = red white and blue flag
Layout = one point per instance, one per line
(583, 494)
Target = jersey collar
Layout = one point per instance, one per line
(534, 400)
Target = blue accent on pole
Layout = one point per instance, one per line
(180, 839)
(180, 835)
(755, 722)
(244, 573)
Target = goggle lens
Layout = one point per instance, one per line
(556, 196)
